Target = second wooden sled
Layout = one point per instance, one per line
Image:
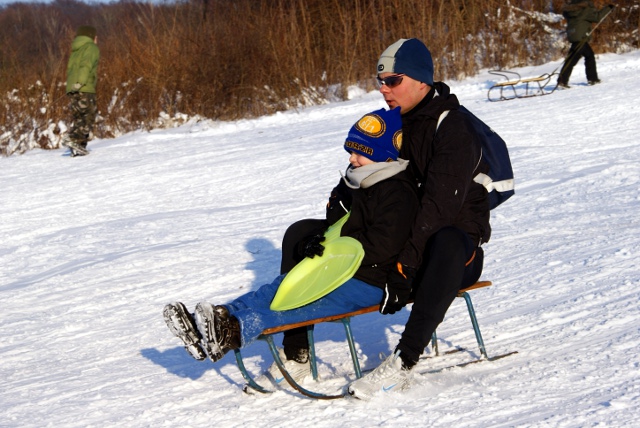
(514, 86)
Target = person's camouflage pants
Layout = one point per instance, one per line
(83, 108)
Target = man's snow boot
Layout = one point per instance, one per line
(391, 375)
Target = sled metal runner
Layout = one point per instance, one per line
(514, 86)
(345, 319)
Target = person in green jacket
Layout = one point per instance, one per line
(580, 15)
(82, 76)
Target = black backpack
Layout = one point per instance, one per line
(499, 182)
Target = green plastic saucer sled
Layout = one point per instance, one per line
(314, 278)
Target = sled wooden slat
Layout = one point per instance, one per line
(526, 80)
(479, 284)
(352, 314)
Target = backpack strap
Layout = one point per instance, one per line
(441, 118)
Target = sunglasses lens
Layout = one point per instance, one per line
(390, 81)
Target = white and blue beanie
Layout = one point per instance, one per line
(410, 57)
(377, 135)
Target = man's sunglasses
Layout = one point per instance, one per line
(390, 81)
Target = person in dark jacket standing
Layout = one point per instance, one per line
(381, 195)
(580, 15)
(82, 77)
(443, 253)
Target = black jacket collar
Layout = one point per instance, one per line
(437, 100)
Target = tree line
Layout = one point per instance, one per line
(162, 63)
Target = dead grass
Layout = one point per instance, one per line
(227, 60)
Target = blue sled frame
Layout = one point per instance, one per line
(345, 319)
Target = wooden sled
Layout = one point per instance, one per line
(517, 87)
(268, 334)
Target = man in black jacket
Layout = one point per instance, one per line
(443, 254)
(580, 15)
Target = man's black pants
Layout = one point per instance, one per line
(451, 262)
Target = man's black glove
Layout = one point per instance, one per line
(311, 246)
(397, 289)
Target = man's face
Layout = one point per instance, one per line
(406, 95)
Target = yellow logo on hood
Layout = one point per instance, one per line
(372, 125)
(397, 140)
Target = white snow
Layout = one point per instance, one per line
(92, 248)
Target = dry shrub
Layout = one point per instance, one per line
(163, 63)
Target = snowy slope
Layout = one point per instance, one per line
(92, 248)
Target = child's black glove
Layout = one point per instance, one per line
(339, 202)
(397, 289)
(311, 246)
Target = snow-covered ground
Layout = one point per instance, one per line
(92, 248)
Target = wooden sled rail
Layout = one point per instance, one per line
(526, 80)
(345, 319)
